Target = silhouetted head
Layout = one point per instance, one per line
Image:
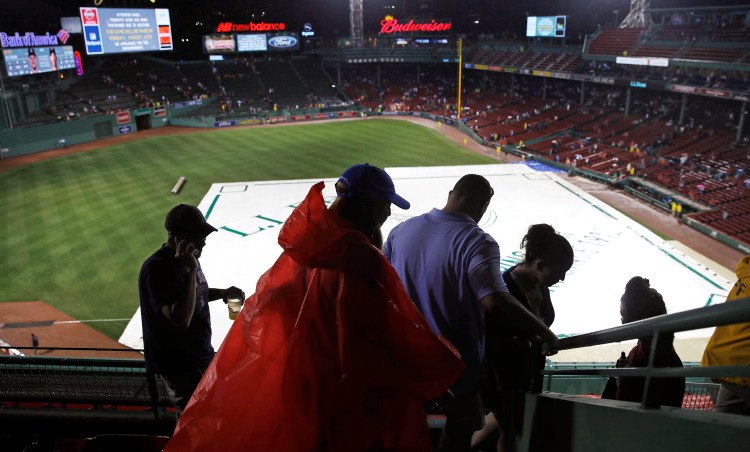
(471, 195)
(549, 253)
(186, 222)
(640, 301)
(364, 196)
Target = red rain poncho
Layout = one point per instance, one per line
(329, 354)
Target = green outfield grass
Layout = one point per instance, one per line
(76, 229)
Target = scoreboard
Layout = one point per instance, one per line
(37, 60)
(125, 30)
(546, 26)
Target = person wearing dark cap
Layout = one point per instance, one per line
(330, 354)
(451, 269)
(33, 62)
(174, 298)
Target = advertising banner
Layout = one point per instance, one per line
(716, 93)
(640, 61)
(283, 42)
(214, 44)
(392, 25)
(684, 89)
(123, 117)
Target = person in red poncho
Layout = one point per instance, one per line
(330, 354)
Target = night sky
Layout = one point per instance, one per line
(193, 18)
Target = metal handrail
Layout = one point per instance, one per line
(131, 375)
(97, 349)
(737, 311)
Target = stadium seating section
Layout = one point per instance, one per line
(698, 158)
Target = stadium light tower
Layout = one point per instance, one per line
(355, 19)
(637, 17)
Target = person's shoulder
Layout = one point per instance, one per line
(409, 224)
(361, 257)
(482, 238)
(162, 258)
(419, 218)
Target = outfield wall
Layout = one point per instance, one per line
(28, 140)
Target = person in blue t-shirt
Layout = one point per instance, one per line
(174, 305)
(451, 269)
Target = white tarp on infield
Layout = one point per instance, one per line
(610, 248)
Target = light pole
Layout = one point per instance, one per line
(616, 17)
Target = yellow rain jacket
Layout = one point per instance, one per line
(730, 344)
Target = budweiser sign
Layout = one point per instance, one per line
(391, 25)
(227, 27)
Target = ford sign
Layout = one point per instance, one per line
(282, 42)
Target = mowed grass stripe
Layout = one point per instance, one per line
(76, 229)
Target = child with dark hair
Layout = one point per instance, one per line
(640, 301)
(514, 359)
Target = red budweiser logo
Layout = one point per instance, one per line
(226, 27)
(391, 25)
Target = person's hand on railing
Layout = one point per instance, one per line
(549, 346)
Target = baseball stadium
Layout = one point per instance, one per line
(620, 123)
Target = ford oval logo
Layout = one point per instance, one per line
(282, 41)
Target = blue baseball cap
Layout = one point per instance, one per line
(369, 182)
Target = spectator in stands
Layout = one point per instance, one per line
(174, 298)
(451, 269)
(730, 346)
(641, 301)
(513, 363)
(331, 354)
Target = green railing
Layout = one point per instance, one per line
(737, 311)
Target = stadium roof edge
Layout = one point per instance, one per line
(699, 9)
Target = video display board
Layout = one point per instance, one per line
(255, 42)
(37, 60)
(252, 43)
(124, 30)
(71, 25)
(545, 26)
(219, 44)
